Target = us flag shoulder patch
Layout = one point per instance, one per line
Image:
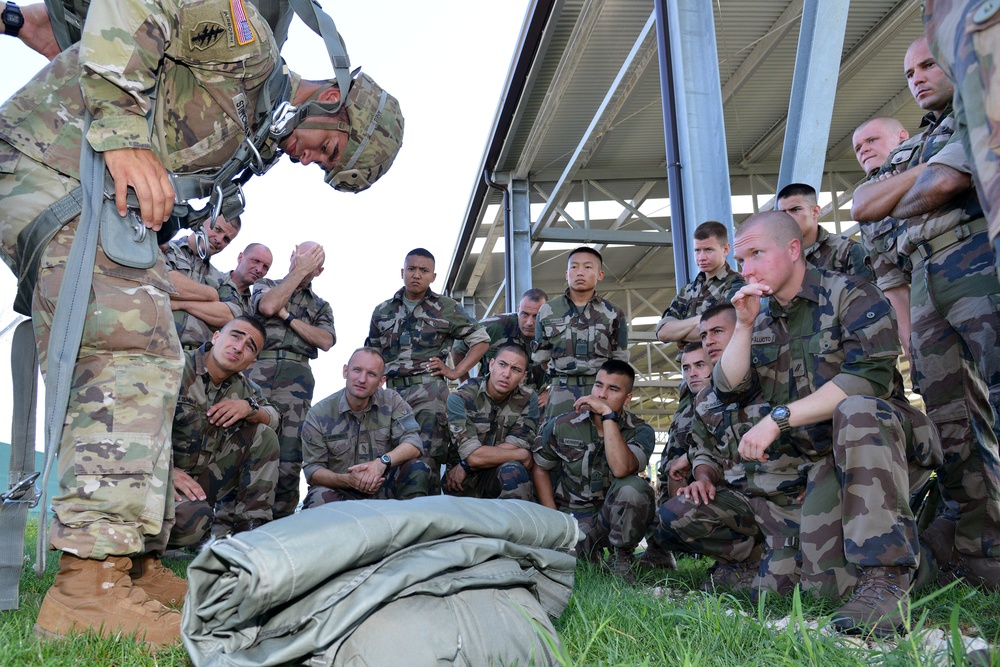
(244, 31)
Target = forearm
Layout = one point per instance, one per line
(621, 460)
(735, 360)
(704, 473)
(899, 297)
(313, 335)
(276, 297)
(469, 361)
(543, 486)
(191, 290)
(673, 331)
(491, 457)
(875, 200)
(817, 406)
(403, 452)
(330, 479)
(214, 314)
(934, 187)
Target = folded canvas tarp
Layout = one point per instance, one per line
(426, 581)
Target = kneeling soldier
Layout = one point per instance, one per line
(493, 420)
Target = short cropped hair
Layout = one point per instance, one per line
(535, 294)
(797, 190)
(252, 321)
(421, 252)
(619, 367)
(370, 350)
(711, 229)
(718, 309)
(588, 250)
(513, 347)
(693, 346)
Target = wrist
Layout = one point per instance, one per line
(289, 318)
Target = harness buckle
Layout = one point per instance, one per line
(18, 490)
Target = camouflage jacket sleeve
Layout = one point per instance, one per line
(543, 452)
(463, 431)
(404, 428)
(120, 55)
(870, 342)
(639, 437)
(541, 350)
(314, 450)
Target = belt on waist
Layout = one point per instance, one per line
(283, 354)
(191, 346)
(411, 380)
(574, 380)
(951, 237)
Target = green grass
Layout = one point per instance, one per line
(663, 621)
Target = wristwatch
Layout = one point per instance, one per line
(780, 415)
(254, 405)
(610, 417)
(12, 18)
(465, 466)
(289, 318)
(386, 460)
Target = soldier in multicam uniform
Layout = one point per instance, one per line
(197, 308)
(517, 328)
(833, 252)
(363, 441)
(822, 347)
(223, 439)
(587, 463)
(955, 314)
(251, 265)
(873, 141)
(415, 330)
(299, 324)
(965, 41)
(577, 332)
(493, 421)
(127, 377)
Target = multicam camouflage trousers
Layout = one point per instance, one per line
(114, 456)
(409, 480)
(244, 468)
(620, 522)
(508, 480)
(955, 311)
(724, 528)
(288, 386)
(428, 400)
(856, 509)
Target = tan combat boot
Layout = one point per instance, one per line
(620, 562)
(657, 558)
(874, 608)
(98, 595)
(734, 576)
(158, 581)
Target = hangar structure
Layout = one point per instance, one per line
(623, 124)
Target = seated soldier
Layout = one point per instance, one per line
(821, 347)
(363, 441)
(587, 463)
(223, 440)
(493, 420)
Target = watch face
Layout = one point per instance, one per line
(781, 412)
(12, 18)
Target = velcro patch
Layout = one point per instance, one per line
(244, 31)
(205, 34)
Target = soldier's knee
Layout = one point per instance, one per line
(631, 489)
(193, 521)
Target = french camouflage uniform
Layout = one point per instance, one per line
(964, 39)
(955, 316)
(408, 340)
(240, 461)
(334, 437)
(239, 302)
(502, 330)
(179, 257)
(836, 252)
(612, 512)
(864, 461)
(129, 368)
(677, 444)
(701, 294)
(282, 371)
(475, 420)
(572, 343)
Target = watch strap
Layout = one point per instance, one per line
(12, 29)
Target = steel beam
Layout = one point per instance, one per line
(517, 235)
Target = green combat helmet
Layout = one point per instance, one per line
(374, 137)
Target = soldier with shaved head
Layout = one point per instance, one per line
(299, 324)
(821, 348)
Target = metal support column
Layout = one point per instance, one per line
(694, 126)
(814, 87)
(517, 237)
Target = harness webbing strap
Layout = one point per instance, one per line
(31, 244)
(69, 318)
(20, 497)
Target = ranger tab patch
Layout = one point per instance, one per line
(244, 31)
(205, 34)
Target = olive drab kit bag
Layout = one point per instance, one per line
(132, 246)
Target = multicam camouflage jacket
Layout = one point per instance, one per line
(701, 294)
(303, 304)
(837, 329)
(179, 257)
(408, 340)
(571, 446)
(476, 420)
(207, 61)
(503, 329)
(335, 437)
(577, 341)
(940, 133)
(195, 440)
(835, 252)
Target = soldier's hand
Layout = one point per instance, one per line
(543, 399)
(186, 488)
(140, 169)
(37, 30)
(367, 477)
(310, 260)
(754, 443)
(595, 405)
(455, 478)
(680, 469)
(438, 367)
(700, 491)
(747, 302)
(228, 411)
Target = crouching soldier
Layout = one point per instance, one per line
(363, 441)
(587, 463)
(493, 420)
